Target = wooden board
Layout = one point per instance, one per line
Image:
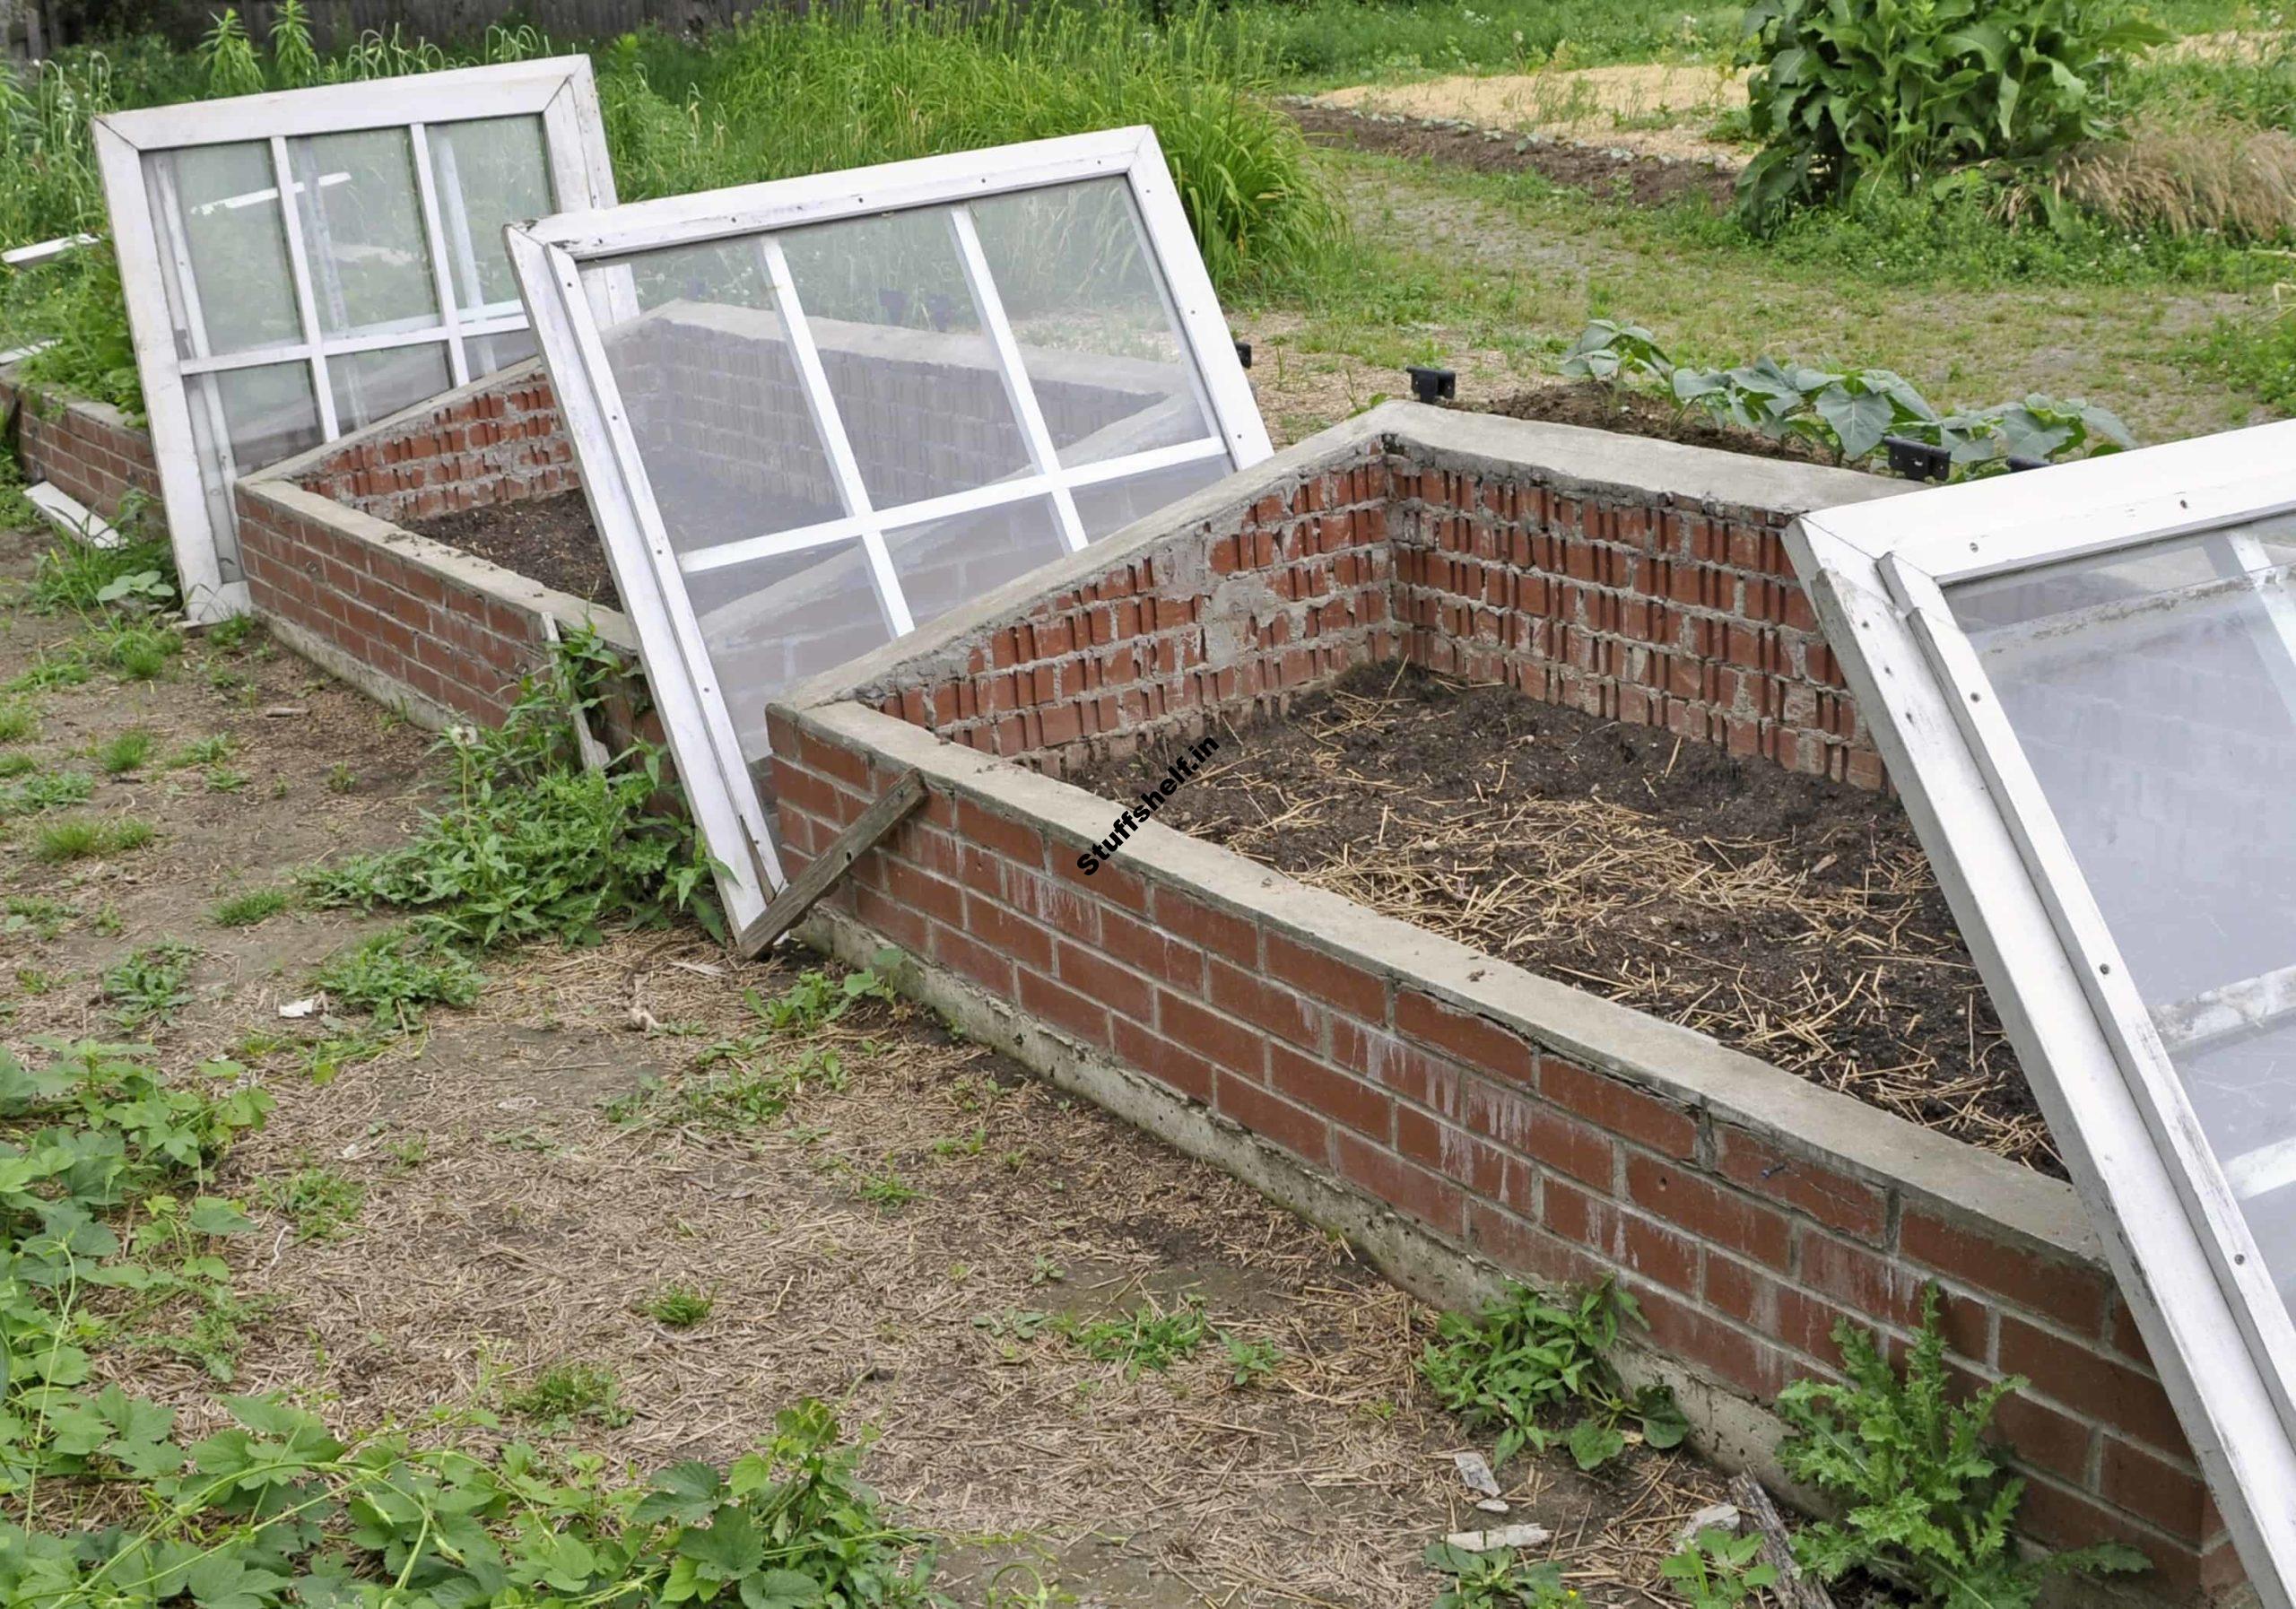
(821, 873)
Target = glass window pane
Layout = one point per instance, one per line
(704, 368)
(363, 232)
(370, 385)
(2153, 693)
(1087, 305)
(944, 562)
(487, 353)
(216, 209)
(268, 413)
(1112, 505)
(923, 399)
(486, 173)
(776, 620)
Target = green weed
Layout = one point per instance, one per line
(1149, 1337)
(564, 1393)
(78, 578)
(35, 914)
(341, 779)
(328, 1057)
(19, 723)
(50, 790)
(12, 766)
(212, 750)
(233, 633)
(245, 909)
(818, 998)
(225, 780)
(1531, 1359)
(151, 984)
(1497, 1579)
(1250, 1362)
(881, 1187)
(1715, 1570)
(321, 1201)
(1923, 1501)
(537, 845)
(680, 1307)
(394, 976)
(126, 752)
(139, 652)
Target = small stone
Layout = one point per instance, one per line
(1714, 1516)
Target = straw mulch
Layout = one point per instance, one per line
(1792, 918)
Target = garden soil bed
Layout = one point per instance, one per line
(1792, 919)
(1645, 180)
(1603, 407)
(548, 539)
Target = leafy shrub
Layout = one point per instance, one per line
(536, 846)
(1924, 1502)
(1531, 1358)
(1848, 413)
(1909, 93)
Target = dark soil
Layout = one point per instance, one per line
(1644, 180)
(1794, 918)
(1633, 414)
(549, 539)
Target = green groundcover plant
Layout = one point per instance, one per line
(1848, 413)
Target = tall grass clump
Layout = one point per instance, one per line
(782, 94)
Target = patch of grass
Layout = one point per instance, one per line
(745, 1095)
(1250, 1362)
(881, 1187)
(225, 780)
(128, 751)
(60, 667)
(680, 1307)
(341, 779)
(212, 750)
(231, 635)
(139, 652)
(12, 766)
(84, 837)
(35, 981)
(321, 1201)
(566, 1392)
(19, 723)
(1149, 1337)
(151, 984)
(327, 1058)
(2257, 354)
(245, 909)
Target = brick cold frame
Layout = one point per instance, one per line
(1458, 1117)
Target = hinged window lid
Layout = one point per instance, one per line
(814, 415)
(300, 264)
(2084, 681)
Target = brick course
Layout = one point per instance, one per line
(86, 449)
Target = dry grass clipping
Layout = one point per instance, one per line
(2211, 177)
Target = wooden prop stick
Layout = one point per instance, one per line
(821, 873)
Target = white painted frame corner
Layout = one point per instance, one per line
(559, 90)
(549, 256)
(2216, 1330)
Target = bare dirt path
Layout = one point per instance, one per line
(512, 1183)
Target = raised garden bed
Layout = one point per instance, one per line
(1790, 918)
(551, 539)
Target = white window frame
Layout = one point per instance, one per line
(559, 90)
(2216, 1329)
(548, 256)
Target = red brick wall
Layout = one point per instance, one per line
(1636, 610)
(1744, 1249)
(89, 452)
(1633, 608)
(451, 642)
(496, 444)
(1222, 620)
